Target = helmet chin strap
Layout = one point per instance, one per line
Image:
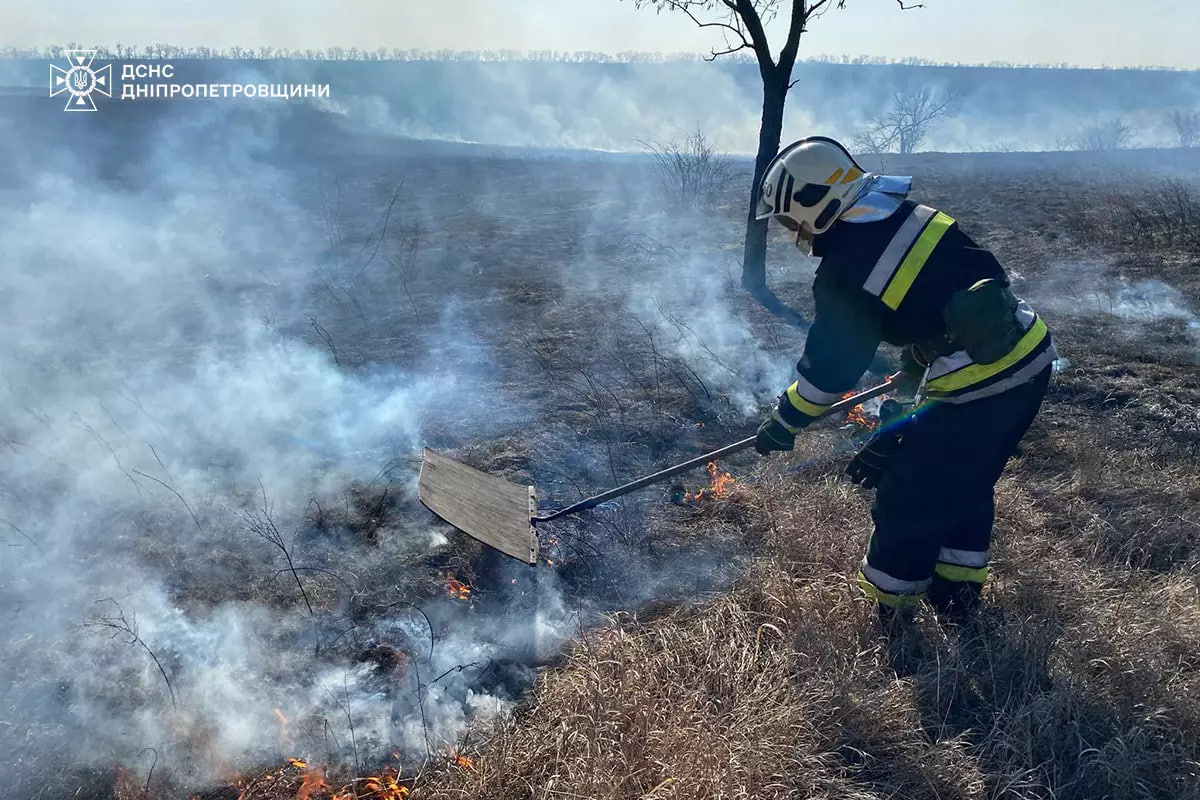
(804, 245)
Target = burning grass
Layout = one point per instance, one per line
(787, 686)
(1078, 681)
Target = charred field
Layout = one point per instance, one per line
(227, 356)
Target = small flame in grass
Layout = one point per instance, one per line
(548, 549)
(385, 786)
(298, 763)
(719, 484)
(285, 738)
(314, 782)
(458, 590)
(463, 762)
(861, 416)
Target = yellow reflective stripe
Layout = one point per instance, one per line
(804, 406)
(886, 598)
(916, 258)
(775, 415)
(953, 572)
(962, 378)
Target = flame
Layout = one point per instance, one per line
(285, 738)
(719, 484)
(458, 590)
(298, 763)
(314, 781)
(860, 416)
(386, 786)
(463, 762)
(548, 550)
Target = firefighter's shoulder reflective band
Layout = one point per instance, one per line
(974, 373)
(902, 260)
(916, 258)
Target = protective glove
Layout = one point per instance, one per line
(889, 409)
(773, 436)
(868, 465)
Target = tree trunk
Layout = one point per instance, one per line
(754, 251)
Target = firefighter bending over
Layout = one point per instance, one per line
(897, 271)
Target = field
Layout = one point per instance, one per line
(224, 367)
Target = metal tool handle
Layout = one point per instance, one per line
(727, 450)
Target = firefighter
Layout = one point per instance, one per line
(897, 271)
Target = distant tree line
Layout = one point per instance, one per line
(236, 53)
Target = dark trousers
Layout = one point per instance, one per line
(935, 505)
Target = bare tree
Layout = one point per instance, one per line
(1186, 125)
(741, 23)
(905, 125)
(693, 172)
(1114, 134)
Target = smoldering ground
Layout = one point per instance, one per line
(220, 367)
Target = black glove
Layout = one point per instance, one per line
(773, 436)
(889, 409)
(868, 465)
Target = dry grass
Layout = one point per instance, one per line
(1080, 679)
(1077, 682)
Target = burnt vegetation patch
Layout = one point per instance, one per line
(706, 639)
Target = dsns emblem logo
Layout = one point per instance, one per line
(80, 80)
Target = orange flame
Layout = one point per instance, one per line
(463, 762)
(285, 738)
(719, 484)
(458, 590)
(386, 786)
(314, 781)
(860, 416)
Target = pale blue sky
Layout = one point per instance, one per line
(1085, 32)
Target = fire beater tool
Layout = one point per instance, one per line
(503, 515)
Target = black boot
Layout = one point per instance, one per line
(954, 601)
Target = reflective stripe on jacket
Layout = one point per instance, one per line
(890, 281)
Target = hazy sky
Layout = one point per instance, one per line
(1085, 32)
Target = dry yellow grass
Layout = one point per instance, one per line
(1080, 679)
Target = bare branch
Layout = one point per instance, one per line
(260, 523)
(121, 625)
(742, 43)
(171, 489)
(26, 536)
(907, 122)
(326, 338)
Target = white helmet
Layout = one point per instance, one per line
(808, 185)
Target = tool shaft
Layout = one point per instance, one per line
(698, 461)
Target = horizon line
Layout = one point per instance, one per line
(161, 51)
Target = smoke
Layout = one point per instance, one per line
(221, 365)
(163, 419)
(1088, 287)
(615, 106)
